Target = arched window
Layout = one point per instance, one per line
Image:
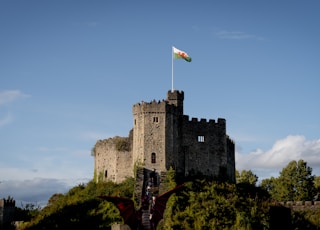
(153, 158)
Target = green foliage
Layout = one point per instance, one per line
(268, 184)
(26, 212)
(306, 219)
(122, 144)
(295, 183)
(95, 176)
(170, 180)
(202, 204)
(246, 176)
(136, 166)
(93, 151)
(317, 184)
(80, 207)
(213, 205)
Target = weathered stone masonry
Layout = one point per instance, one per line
(163, 137)
(7, 207)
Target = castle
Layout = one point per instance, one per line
(163, 137)
(7, 207)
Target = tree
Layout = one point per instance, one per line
(213, 205)
(295, 183)
(246, 176)
(80, 207)
(317, 184)
(268, 184)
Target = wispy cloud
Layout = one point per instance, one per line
(71, 168)
(37, 190)
(49, 163)
(8, 96)
(7, 119)
(281, 153)
(18, 172)
(28, 187)
(236, 35)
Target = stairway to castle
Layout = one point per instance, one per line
(146, 220)
(143, 181)
(145, 188)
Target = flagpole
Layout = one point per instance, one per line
(172, 70)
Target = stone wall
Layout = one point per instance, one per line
(231, 165)
(300, 205)
(163, 137)
(205, 144)
(113, 159)
(7, 207)
(149, 134)
(120, 227)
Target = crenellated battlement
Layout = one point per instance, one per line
(7, 208)
(175, 95)
(151, 103)
(178, 92)
(153, 106)
(4, 203)
(221, 121)
(161, 136)
(299, 205)
(208, 124)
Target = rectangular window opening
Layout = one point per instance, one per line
(155, 119)
(200, 138)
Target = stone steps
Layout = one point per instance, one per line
(146, 219)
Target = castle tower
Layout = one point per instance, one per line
(162, 136)
(176, 98)
(7, 208)
(174, 116)
(149, 134)
(156, 131)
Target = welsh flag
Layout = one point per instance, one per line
(179, 54)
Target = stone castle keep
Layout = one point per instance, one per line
(7, 208)
(163, 137)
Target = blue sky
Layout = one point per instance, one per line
(70, 72)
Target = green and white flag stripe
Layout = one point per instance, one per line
(179, 54)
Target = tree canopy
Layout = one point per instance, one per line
(202, 204)
(295, 183)
(246, 176)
